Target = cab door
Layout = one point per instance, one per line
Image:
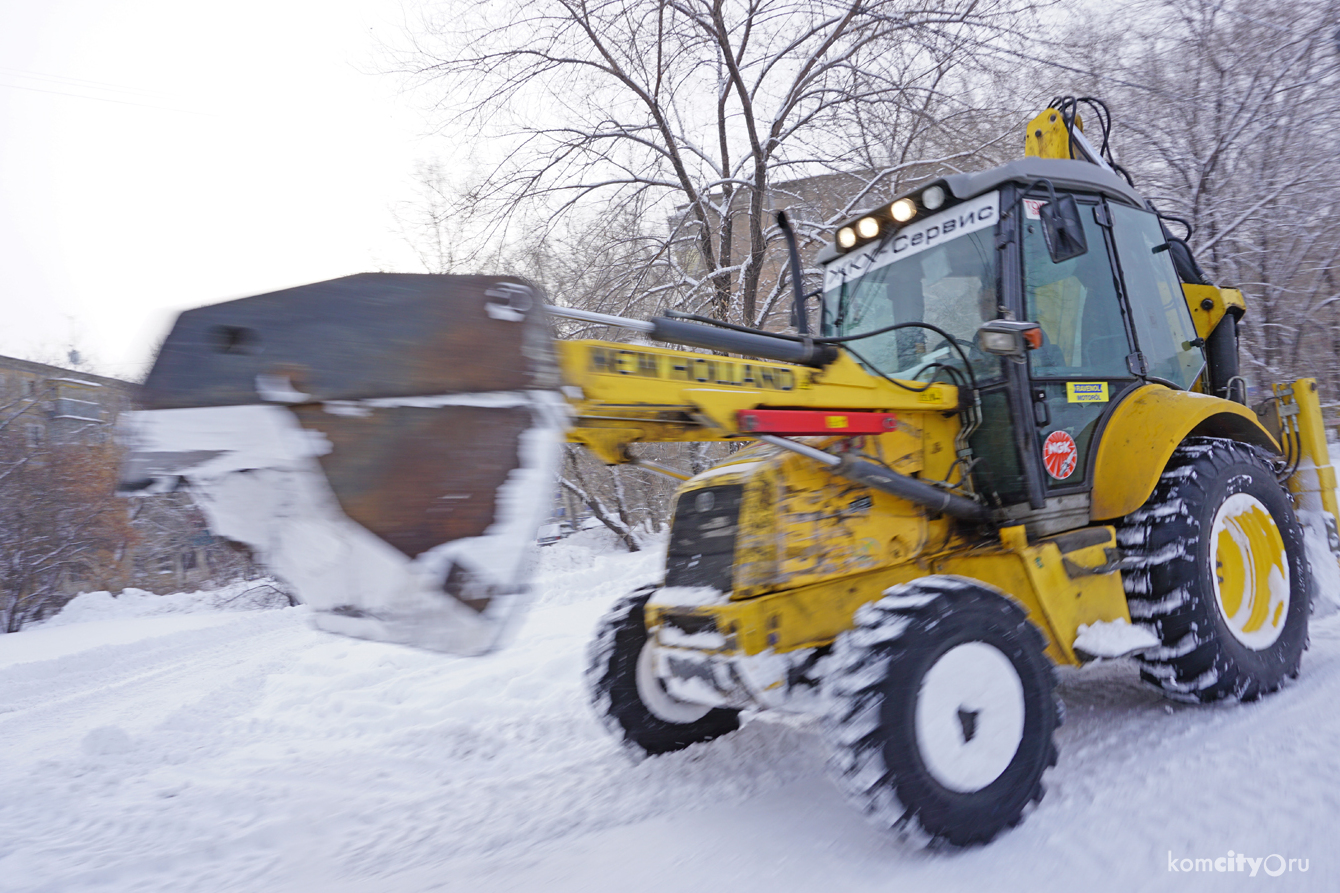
(1088, 358)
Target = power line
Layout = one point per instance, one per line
(82, 84)
(162, 108)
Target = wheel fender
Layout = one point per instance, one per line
(1144, 430)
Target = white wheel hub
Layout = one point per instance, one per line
(970, 716)
(656, 699)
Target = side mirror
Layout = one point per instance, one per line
(1062, 229)
(1009, 338)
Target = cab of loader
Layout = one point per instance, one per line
(1104, 300)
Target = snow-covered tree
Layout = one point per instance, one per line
(704, 116)
(59, 519)
(1227, 114)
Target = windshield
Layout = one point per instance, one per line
(940, 271)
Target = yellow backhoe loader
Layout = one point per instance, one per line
(1019, 440)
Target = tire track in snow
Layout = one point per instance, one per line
(128, 684)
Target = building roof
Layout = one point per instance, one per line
(59, 373)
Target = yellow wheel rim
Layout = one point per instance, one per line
(1251, 571)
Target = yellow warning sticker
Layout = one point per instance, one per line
(835, 421)
(931, 395)
(1086, 392)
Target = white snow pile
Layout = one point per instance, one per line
(595, 560)
(242, 595)
(1325, 570)
(1113, 638)
(1322, 563)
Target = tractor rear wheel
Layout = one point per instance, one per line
(1222, 576)
(942, 710)
(630, 699)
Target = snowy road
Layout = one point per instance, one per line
(245, 752)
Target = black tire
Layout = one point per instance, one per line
(1180, 587)
(885, 691)
(611, 677)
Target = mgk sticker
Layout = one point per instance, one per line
(1060, 455)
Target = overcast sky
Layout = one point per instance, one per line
(158, 154)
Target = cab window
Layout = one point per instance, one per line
(1163, 328)
(1075, 303)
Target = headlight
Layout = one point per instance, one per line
(903, 210)
(846, 237)
(1001, 342)
(932, 197)
(867, 227)
(1009, 338)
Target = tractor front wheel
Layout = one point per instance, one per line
(942, 711)
(631, 700)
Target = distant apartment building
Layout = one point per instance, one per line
(172, 549)
(811, 202)
(60, 404)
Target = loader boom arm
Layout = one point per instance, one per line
(622, 394)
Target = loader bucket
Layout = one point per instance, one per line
(385, 443)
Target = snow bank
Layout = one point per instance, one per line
(593, 563)
(244, 595)
(1325, 569)
(101, 622)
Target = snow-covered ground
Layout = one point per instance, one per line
(217, 749)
